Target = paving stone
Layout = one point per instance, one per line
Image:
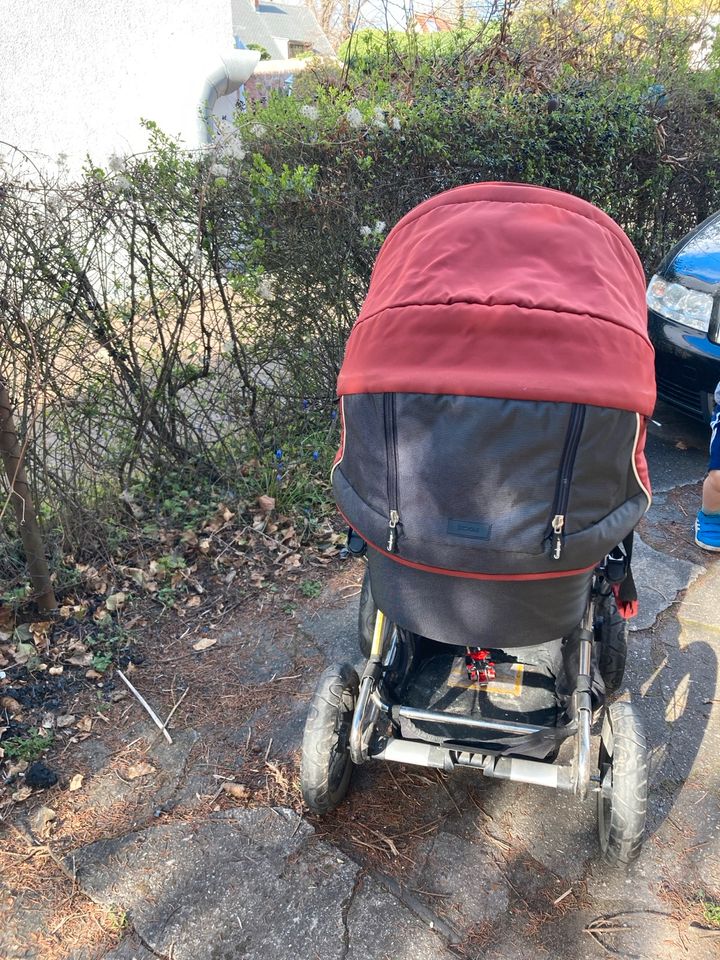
(150, 793)
(659, 579)
(625, 930)
(334, 632)
(255, 883)
(380, 927)
(129, 949)
(467, 874)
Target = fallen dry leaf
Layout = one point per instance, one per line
(237, 790)
(10, 704)
(115, 601)
(71, 610)
(266, 503)
(40, 632)
(56, 671)
(222, 516)
(23, 651)
(81, 660)
(136, 770)
(41, 821)
(84, 724)
(67, 721)
(22, 794)
(194, 602)
(92, 674)
(205, 643)
(76, 782)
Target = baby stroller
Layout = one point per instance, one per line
(493, 401)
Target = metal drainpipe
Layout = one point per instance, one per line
(234, 68)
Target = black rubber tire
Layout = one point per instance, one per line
(325, 766)
(366, 616)
(622, 806)
(611, 635)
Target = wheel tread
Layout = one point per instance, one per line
(623, 839)
(318, 739)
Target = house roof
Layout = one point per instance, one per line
(289, 21)
(250, 27)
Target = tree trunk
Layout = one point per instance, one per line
(12, 458)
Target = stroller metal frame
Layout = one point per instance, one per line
(372, 709)
(352, 720)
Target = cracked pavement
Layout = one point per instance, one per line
(507, 870)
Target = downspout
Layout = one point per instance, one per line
(234, 68)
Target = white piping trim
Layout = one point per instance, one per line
(343, 437)
(634, 461)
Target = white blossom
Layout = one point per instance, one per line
(121, 183)
(379, 117)
(219, 170)
(395, 123)
(116, 163)
(266, 289)
(258, 130)
(310, 112)
(225, 129)
(354, 117)
(379, 226)
(234, 148)
(365, 231)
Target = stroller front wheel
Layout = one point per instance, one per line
(623, 794)
(326, 766)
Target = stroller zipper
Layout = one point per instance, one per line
(562, 496)
(392, 471)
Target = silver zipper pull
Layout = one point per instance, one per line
(558, 523)
(392, 531)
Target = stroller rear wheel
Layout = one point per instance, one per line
(326, 767)
(611, 634)
(622, 798)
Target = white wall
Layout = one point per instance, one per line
(76, 76)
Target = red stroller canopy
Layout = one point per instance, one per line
(506, 290)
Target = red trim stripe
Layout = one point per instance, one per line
(467, 576)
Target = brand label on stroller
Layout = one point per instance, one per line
(475, 529)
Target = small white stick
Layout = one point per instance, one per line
(562, 897)
(156, 719)
(170, 715)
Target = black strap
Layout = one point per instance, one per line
(628, 590)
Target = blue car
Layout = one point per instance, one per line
(684, 318)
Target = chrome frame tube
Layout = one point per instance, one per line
(581, 763)
(555, 776)
(363, 721)
(453, 719)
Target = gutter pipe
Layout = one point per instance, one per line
(234, 68)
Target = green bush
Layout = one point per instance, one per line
(186, 314)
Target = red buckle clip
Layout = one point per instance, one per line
(480, 668)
